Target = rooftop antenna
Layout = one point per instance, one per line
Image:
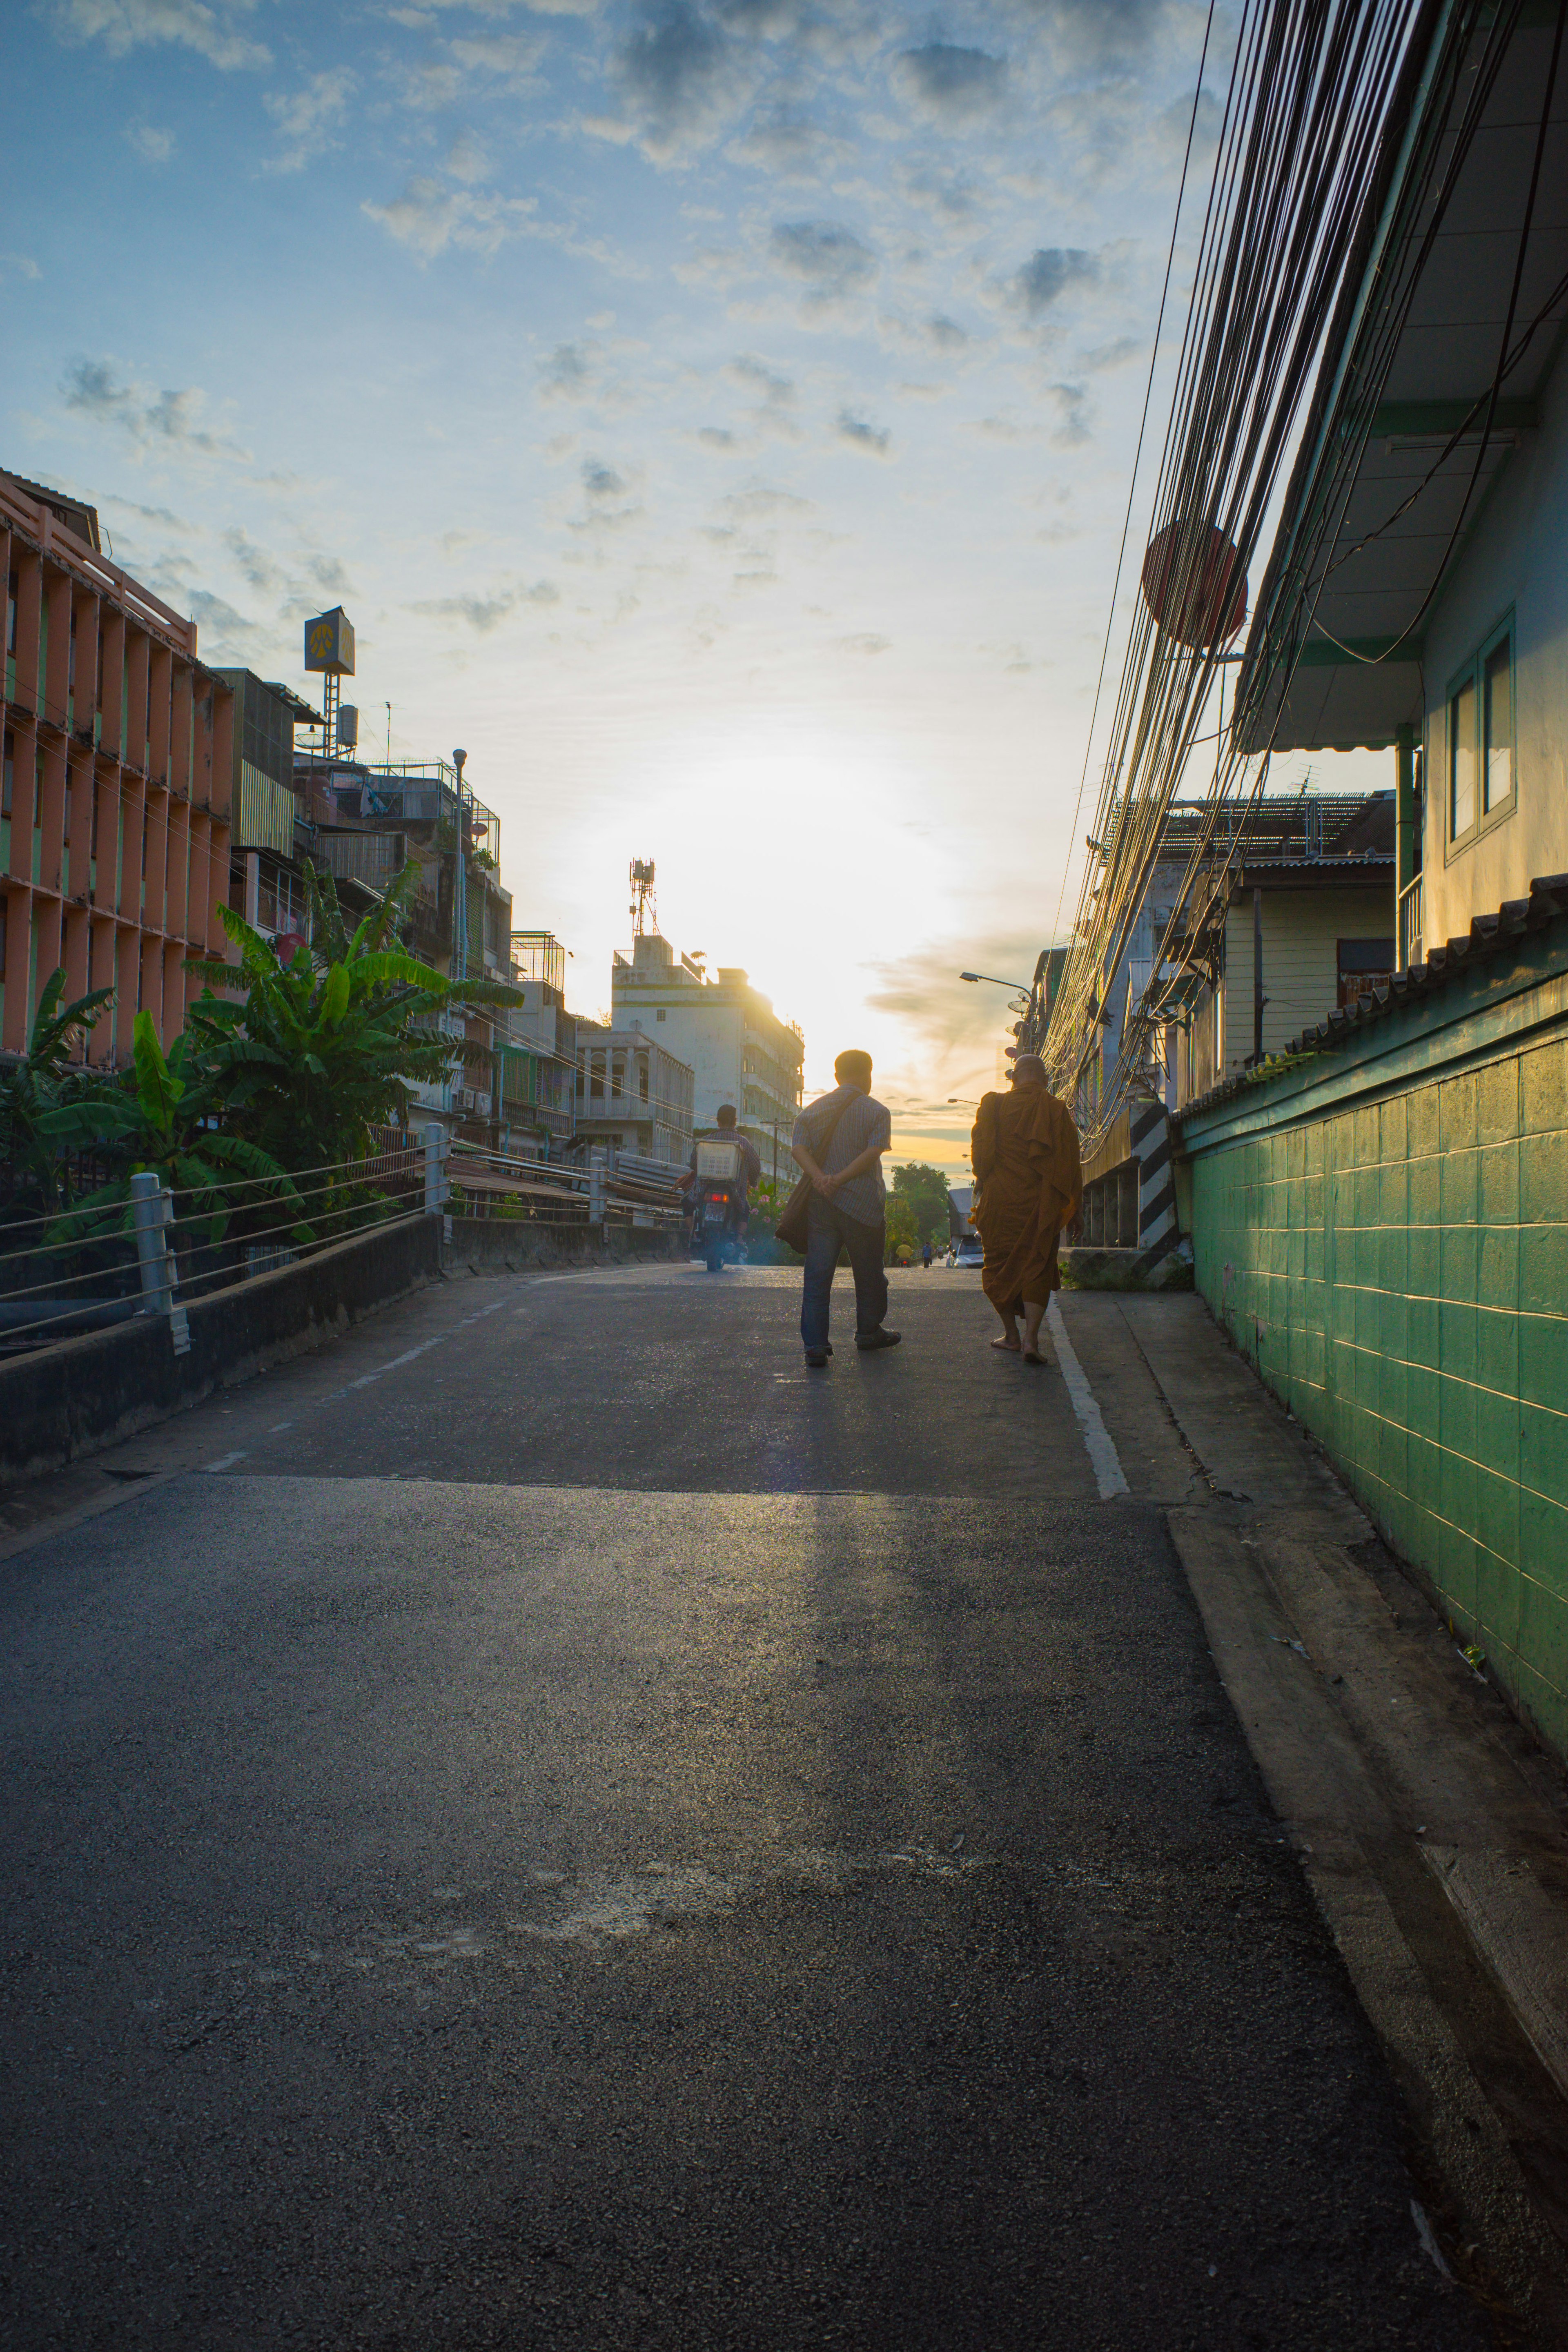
(644, 908)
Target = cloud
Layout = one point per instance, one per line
(125, 25)
(306, 118)
(1115, 354)
(1070, 403)
(829, 259)
(257, 565)
(1050, 272)
(468, 161)
(510, 58)
(152, 146)
(427, 218)
(234, 633)
(19, 265)
(91, 390)
(609, 496)
(676, 70)
(866, 642)
(875, 439)
(786, 141)
(949, 84)
(483, 614)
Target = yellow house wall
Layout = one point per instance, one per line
(1513, 558)
(1301, 932)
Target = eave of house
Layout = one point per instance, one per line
(1358, 678)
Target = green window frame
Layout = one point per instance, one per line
(1480, 770)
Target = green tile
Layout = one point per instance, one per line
(1457, 1567)
(1422, 1122)
(1544, 1360)
(1394, 1330)
(1497, 1579)
(1457, 1113)
(1422, 1460)
(1457, 1340)
(1423, 1192)
(1542, 1636)
(1497, 1267)
(1497, 1434)
(1543, 1097)
(1456, 1423)
(1499, 1171)
(1496, 1351)
(1543, 1452)
(1423, 1319)
(1367, 1147)
(1543, 1544)
(1458, 1188)
(1422, 1259)
(1543, 1269)
(1394, 1450)
(1542, 1179)
(1496, 1101)
(1458, 1263)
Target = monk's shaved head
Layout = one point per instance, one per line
(1028, 1070)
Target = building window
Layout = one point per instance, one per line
(1481, 731)
(660, 1015)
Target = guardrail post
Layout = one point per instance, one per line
(596, 1187)
(436, 1191)
(152, 1211)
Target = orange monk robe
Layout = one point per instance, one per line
(1023, 1149)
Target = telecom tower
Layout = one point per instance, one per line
(644, 908)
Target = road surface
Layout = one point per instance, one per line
(544, 1825)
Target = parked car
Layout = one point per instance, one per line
(971, 1250)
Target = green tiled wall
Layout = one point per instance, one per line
(1398, 1272)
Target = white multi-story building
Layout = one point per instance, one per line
(724, 1030)
(632, 1094)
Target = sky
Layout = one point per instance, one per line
(717, 419)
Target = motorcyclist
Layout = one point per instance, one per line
(727, 1132)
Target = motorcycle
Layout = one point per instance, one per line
(717, 1197)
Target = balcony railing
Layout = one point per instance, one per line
(1411, 935)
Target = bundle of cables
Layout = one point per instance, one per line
(1346, 125)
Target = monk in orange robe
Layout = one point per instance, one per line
(1023, 1151)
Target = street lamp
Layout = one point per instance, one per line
(1019, 987)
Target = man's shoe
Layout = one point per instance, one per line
(816, 1358)
(874, 1339)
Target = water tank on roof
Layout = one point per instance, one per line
(348, 726)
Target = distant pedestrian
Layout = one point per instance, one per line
(925, 1257)
(839, 1142)
(1027, 1186)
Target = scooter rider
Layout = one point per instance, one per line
(726, 1131)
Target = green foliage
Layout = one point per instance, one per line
(46, 1081)
(902, 1228)
(161, 1119)
(288, 1078)
(925, 1189)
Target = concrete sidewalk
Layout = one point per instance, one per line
(1431, 1826)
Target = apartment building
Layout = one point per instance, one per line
(633, 1095)
(724, 1030)
(116, 800)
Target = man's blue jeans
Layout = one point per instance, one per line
(829, 1229)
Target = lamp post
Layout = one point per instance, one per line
(1019, 987)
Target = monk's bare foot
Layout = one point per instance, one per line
(1033, 1356)
(1009, 1346)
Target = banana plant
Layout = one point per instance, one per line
(321, 1049)
(163, 1119)
(48, 1077)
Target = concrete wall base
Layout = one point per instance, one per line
(492, 1246)
(1124, 1269)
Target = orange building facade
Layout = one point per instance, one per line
(119, 763)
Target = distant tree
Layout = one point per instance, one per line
(925, 1190)
(902, 1233)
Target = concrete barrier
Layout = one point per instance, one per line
(491, 1246)
(60, 1403)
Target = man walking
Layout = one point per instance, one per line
(839, 1142)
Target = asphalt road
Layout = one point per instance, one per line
(541, 1826)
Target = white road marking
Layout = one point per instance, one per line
(278, 1425)
(225, 1461)
(1103, 1458)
